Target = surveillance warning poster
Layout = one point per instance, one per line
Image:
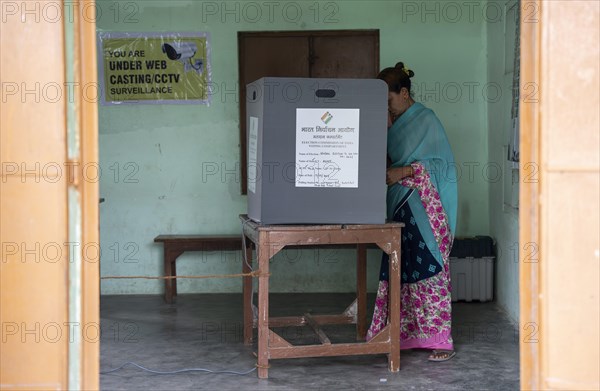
(154, 68)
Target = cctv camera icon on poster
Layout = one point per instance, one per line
(184, 52)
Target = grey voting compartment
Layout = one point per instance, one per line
(316, 150)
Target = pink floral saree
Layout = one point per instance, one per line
(426, 303)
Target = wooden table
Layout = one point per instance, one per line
(269, 240)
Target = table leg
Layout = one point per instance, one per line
(361, 292)
(247, 295)
(394, 278)
(263, 311)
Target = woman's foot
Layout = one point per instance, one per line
(441, 355)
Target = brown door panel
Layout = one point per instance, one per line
(345, 56)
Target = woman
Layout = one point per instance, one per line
(422, 193)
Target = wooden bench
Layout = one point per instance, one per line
(175, 245)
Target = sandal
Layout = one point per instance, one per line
(441, 355)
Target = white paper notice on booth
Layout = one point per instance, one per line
(327, 147)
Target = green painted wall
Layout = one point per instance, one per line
(152, 156)
(504, 223)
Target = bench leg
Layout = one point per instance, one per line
(361, 292)
(174, 281)
(247, 295)
(170, 257)
(168, 272)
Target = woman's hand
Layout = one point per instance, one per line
(395, 174)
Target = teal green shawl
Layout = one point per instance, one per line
(418, 136)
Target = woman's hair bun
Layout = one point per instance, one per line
(409, 72)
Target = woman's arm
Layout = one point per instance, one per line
(396, 174)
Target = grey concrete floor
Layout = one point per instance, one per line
(205, 331)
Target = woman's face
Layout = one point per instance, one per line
(398, 103)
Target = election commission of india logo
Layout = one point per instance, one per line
(326, 117)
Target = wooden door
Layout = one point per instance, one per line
(324, 53)
(49, 220)
(560, 195)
